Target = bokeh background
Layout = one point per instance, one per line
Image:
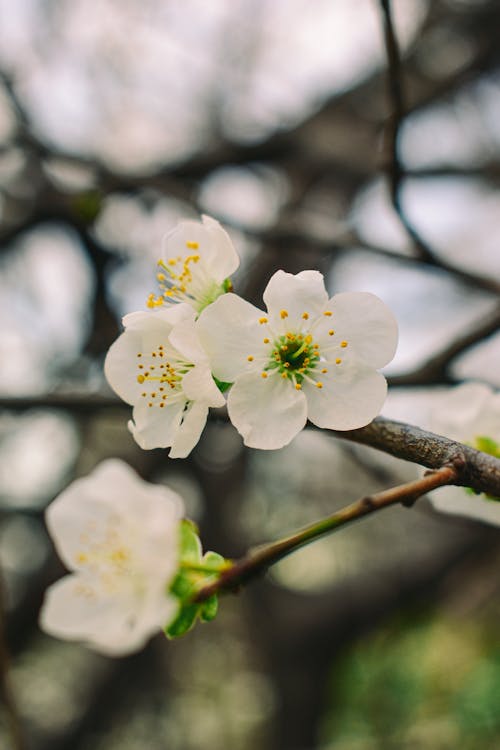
(298, 125)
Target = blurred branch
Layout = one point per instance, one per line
(6, 692)
(263, 557)
(436, 369)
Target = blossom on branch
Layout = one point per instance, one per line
(308, 357)
(469, 413)
(159, 366)
(119, 536)
(198, 258)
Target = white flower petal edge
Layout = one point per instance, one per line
(467, 413)
(197, 258)
(327, 350)
(159, 366)
(119, 537)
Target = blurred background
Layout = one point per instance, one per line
(300, 127)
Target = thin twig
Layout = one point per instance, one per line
(263, 557)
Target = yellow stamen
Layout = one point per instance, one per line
(250, 358)
(343, 344)
(338, 361)
(192, 245)
(283, 314)
(264, 374)
(298, 387)
(266, 341)
(305, 316)
(324, 370)
(141, 378)
(262, 320)
(319, 385)
(331, 332)
(327, 313)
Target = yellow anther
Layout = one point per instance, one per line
(324, 370)
(250, 358)
(338, 361)
(141, 367)
(141, 378)
(153, 395)
(308, 338)
(290, 337)
(283, 314)
(305, 315)
(81, 557)
(286, 364)
(343, 344)
(172, 261)
(319, 385)
(162, 405)
(139, 355)
(150, 302)
(262, 320)
(266, 341)
(284, 348)
(161, 276)
(150, 405)
(298, 387)
(192, 245)
(264, 374)
(144, 394)
(327, 313)
(284, 375)
(331, 332)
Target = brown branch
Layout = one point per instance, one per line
(475, 469)
(259, 560)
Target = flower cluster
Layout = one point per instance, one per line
(470, 414)
(135, 566)
(307, 356)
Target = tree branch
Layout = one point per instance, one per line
(259, 560)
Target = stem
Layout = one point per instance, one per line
(263, 557)
(6, 693)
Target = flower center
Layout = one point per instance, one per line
(294, 356)
(185, 279)
(160, 372)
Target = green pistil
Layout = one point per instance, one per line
(294, 357)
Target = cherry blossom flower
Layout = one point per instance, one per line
(198, 258)
(159, 366)
(307, 357)
(119, 537)
(470, 414)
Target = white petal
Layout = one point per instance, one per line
(189, 432)
(230, 332)
(184, 338)
(365, 322)
(120, 366)
(78, 518)
(352, 395)
(224, 259)
(163, 317)
(198, 385)
(457, 501)
(267, 412)
(462, 413)
(296, 294)
(155, 427)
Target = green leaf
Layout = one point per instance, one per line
(190, 545)
(183, 622)
(182, 586)
(208, 609)
(487, 445)
(215, 560)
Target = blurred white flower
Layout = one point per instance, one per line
(159, 366)
(197, 260)
(307, 357)
(119, 536)
(470, 414)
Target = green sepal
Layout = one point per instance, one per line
(208, 609)
(223, 387)
(227, 285)
(183, 622)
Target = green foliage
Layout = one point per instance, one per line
(195, 572)
(87, 205)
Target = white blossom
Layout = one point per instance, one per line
(307, 357)
(119, 536)
(197, 260)
(159, 366)
(469, 413)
